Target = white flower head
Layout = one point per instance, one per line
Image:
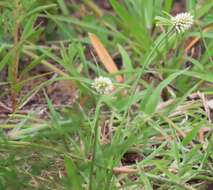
(182, 22)
(103, 85)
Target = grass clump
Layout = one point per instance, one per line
(114, 95)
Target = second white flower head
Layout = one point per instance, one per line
(103, 85)
(182, 22)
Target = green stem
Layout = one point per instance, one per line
(13, 69)
(94, 145)
(146, 63)
(93, 7)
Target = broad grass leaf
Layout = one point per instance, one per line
(126, 61)
(74, 177)
(191, 135)
(147, 95)
(168, 5)
(121, 11)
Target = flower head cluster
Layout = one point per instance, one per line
(182, 22)
(103, 85)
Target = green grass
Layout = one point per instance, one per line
(151, 115)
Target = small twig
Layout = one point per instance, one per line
(5, 107)
(124, 169)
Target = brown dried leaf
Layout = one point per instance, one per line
(104, 56)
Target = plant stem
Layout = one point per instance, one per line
(148, 60)
(93, 7)
(15, 63)
(94, 145)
